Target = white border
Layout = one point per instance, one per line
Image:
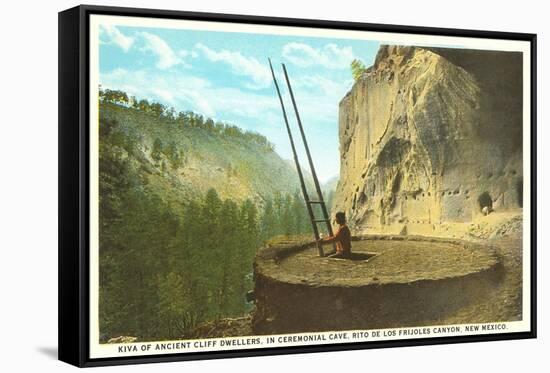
(103, 350)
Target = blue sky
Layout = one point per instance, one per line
(226, 76)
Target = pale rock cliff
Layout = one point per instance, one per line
(430, 136)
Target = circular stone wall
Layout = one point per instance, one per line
(396, 281)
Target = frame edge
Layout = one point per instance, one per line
(70, 349)
(73, 191)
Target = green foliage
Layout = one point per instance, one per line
(174, 155)
(157, 150)
(168, 261)
(170, 152)
(114, 96)
(357, 69)
(157, 108)
(160, 275)
(285, 214)
(143, 105)
(163, 267)
(185, 118)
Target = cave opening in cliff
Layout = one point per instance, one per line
(485, 200)
(359, 256)
(396, 183)
(519, 191)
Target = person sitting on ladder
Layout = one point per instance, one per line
(342, 238)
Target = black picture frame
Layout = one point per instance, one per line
(74, 182)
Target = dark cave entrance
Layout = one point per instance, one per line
(485, 200)
(519, 191)
(396, 186)
(358, 256)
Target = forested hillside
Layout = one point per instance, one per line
(184, 204)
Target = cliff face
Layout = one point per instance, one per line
(429, 137)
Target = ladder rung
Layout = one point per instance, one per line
(321, 220)
(319, 202)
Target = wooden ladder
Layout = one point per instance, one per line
(309, 202)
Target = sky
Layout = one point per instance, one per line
(226, 76)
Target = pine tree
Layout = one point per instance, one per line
(230, 257)
(156, 152)
(211, 238)
(278, 208)
(357, 69)
(300, 214)
(288, 223)
(268, 221)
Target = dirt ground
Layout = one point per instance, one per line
(393, 262)
(504, 231)
(505, 303)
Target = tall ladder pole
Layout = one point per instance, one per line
(320, 200)
(298, 168)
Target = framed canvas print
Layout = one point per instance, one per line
(233, 186)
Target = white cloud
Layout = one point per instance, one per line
(321, 84)
(189, 93)
(167, 57)
(240, 103)
(317, 96)
(165, 95)
(240, 65)
(331, 55)
(113, 36)
(180, 92)
(165, 54)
